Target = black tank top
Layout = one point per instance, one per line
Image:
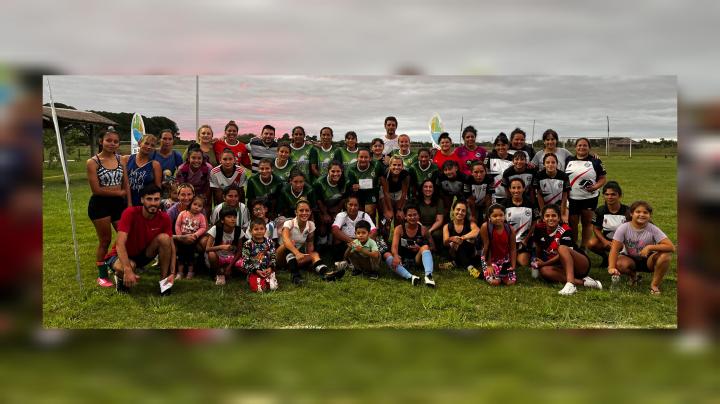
(406, 240)
(465, 230)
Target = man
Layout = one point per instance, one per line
(391, 139)
(143, 233)
(264, 147)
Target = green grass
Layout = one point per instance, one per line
(354, 302)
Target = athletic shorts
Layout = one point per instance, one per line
(578, 205)
(106, 206)
(140, 260)
(641, 263)
(520, 248)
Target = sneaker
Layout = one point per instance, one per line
(104, 282)
(568, 289)
(414, 280)
(178, 276)
(272, 282)
(429, 282)
(297, 279)
(589, 282)
(473, 271)
(534, 273)
(372, 275)
(120, 285)
(341, 265)
(493, 280)
(334, 275)
(220, 280)
(190, 275)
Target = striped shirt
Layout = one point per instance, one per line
(259, 150)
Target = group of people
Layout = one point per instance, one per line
(249, 209)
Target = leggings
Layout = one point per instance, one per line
(464, 255)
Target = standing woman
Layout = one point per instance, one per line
(142, 169)
(109, 184)
(323, 155)
(205, 141)
(363, 178)
(432, 213)
(410, 247)
(498, 161)
(446, 151)
(395, 186)
(552, 186)
(230, 141)
(301, 153)
(196, 171)
(607, 219)
(587, 175)
(282, 166)
(347, 155)
(459, 236)
(469, 152)
(517, 144)
(551, 140)
(478, 191)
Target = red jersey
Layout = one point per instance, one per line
(240, 150)
(440, 158)
(140, 231)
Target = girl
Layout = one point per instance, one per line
(109, 187)
(301, 151)
(192, 223)
(265, 186)
(395, 187)
(258, 210)
(258, 259)
(223, 245)
(645, 248)
(227, 173)
(587, 175)
(432, 213)
(329, 192)
(558, 260)
(410, 247)
(297, 249)
(499, 248)
(363, 178)
(196, 171)
(459, 236)
(498, 161)
(347, 155)
(478, 192)
(142, 170)
(231, 199)
(606, 220)
(408, 156)
(282, 165)
(205, 141)
(521, 215)
(420, 171)
(517, 144)
(377, 146)
(551, 185)
(230, 141)
(520, 169)
(324, 153)
(185, 192)
(451, 184)
(551, 140)
(446, 151)
(469, 152)
(291, 193)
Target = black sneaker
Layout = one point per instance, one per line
(120, 285)
(166, 293)
(297, 279)
(334, 275)
(372, 275)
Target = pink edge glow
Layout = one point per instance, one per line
(247, 126)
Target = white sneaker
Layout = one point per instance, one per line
(568, 289)
(429, 282)
(220, 280)
(534, 273)
(341, 265)
(272, 281)
(589, 282)
(414, 280)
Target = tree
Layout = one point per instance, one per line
(60, 105)
(285, 138)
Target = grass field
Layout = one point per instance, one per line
(354, 302)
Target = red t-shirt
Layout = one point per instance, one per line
(140, 231)
(240, 150)
(499, 247)
(440, 158)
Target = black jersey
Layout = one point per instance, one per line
(451, 187)
(496, 166)
(551, 188)
(526, 176)
(608, 222)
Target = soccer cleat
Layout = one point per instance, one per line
(568, 289)
(589, 282)
(615, 280)
(220, 280)
(429, 282)
(104, 282)
(120, 285)
(372, 275)
(272, 282)
(297, 279)
(334, 275)
(414, 280)
(473, 271)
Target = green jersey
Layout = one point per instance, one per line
(331, 195)
(301, 157)
(368, 180)
(322, 158)
(266, 192)
(283, 172)
(408, 159)
(346, 157)
(418, 175)
(288, 199)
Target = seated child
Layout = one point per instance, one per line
(189, 222)
(258, 259)
(363, 252)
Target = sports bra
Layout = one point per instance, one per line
(106, 177)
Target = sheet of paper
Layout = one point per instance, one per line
(165, 285)
(366, 183)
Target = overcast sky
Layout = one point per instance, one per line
(639, 107)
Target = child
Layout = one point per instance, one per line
(227, 173)
(499, 248)
(196, 171)
(552, 185)
(265, 186)
(362, 252)
(520, 169)
(606, 221)
(223, 245)
(451, 184)
(258, 259)
(645, 248)
(190, 222)
(171, 189)
(231, 199)
(259, 211)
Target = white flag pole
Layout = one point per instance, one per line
(68, 195)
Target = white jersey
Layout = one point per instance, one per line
(219, 180)
(243, 219)
(496, 167)
(582, 173)
(347, 225)
(299, 237)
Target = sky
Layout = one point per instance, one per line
(638, 106)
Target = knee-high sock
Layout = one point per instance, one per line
(292, 264)
(400, 270)
(427, 261)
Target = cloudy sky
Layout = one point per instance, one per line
(639, 107)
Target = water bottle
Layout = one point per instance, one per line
(615, 282)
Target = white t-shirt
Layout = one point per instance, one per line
(296, 235)
(227, 238)
(390, 145)
(219, 180)
(243, 218)
(347, 225)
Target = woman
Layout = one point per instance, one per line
(479, 191)
(296, 189)
(607, 219)
(459, 236)
(142, 170)
(377, 146)
(404, 152)
(282, 166)
(587, 175)
(395, 186)
(343, 227)
(329, 192)
(363, 178)
(645, 248)
(446, 151)
(520, 169)
(522, 216)
(323, 155)
(196, 171)
(265, 186)
(301, 152)
(347, 155)
(423, 169)
(168, 158)
(552, 186)
(225, 174)
(517, 144)
(297, 249)
(432, 213)
(410, 247)
(109, 185)
(558, 260)
(551, 140)
(230, 141)
(206, 141)
(498, 161)
(469, 152)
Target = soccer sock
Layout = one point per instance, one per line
(320, 268)
(427, 261)
(292, 264)
(400, 269)
(102, 269)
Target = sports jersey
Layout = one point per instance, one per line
(479, 191)
(266, 192)
(395, 185)
(331, 195)
(467, 157)
(347, 224)
(551, 188)
(582, 173)
(239, 150)
(496, 167)
(562, 156)
(259, 150)
(408, 159)
(451, 187)
(418, 175)
(528, 150)
(439, 159)
(301, 158)
(322, 158)
(140, 230)
(218, 179)
(347, 157)
(139, 177)
(608, 222)
(527, 176)
(520, 217)
(368, 180)
(407, 241)
(287, 199)
(283, 172)
(634, 240)
(242, 218)
(549, 242)
(299, 237)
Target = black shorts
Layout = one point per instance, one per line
(140, 260)
(578, 205)
(520, 248)
(101, 207)
(641, 263)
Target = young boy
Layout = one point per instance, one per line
(258, 258)
(363, 252)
